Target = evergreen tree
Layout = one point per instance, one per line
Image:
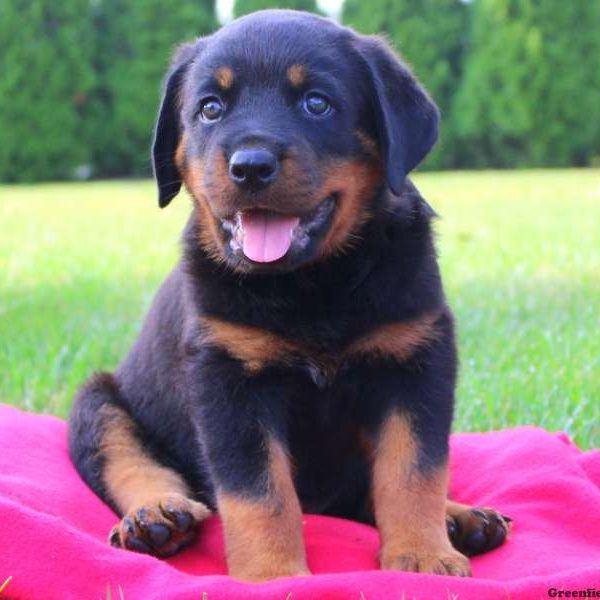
(135, 41)
(45, 84)
(430, 36)
(244, 7)
(531, 89)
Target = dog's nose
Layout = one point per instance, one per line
(253, 168)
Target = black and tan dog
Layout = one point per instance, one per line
(301, 355)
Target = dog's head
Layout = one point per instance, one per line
(284, 127)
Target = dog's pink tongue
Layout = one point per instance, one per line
(267, 236)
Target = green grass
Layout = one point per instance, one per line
(520, 253)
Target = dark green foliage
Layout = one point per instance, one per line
(46, 77)
(135, 42)
(430, 35)
(80, 82)
(531, 89)
(244, 7)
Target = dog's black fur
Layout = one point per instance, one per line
(197, 408)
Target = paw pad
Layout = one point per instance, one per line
(161, 527)
(478, 530)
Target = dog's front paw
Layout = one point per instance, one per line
(477, 530)
(443, 561)
(161, 527)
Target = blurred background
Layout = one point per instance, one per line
(515, 178)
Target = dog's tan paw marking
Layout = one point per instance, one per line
(441, 562)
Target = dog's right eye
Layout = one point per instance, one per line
(211, 109)
(316, 105)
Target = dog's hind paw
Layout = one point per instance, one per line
(161, 527)
(477, 530)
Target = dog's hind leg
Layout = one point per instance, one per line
(159, 514)
(474, 530)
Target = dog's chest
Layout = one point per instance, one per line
(259, 348)
(326, 443)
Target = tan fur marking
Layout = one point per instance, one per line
(263, 539)
(355, 182)
(224, 77)
(208, 228)
(291, 192)
(258, 348)
(180, 154)
(254, 346)
(410, 507)
(455, 509)
(296, 75)
(131, 476)
(367, 142)
(398, 340)
(193, 178)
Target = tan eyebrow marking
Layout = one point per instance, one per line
(296, 75)
(224, 77)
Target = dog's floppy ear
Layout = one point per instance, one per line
(406, 117)
(168, 127)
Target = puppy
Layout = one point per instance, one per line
(301, 355)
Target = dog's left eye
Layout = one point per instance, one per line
(211, 109)
(316, 104)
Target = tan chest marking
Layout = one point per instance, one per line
(399, 340)
(258, 348)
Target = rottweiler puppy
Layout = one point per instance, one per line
(301, 355)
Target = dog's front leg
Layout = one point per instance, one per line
(241, 424)
(409, 500)
(408, 407)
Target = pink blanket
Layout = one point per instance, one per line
(53, 530)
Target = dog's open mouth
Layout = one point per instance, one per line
(266, 236)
